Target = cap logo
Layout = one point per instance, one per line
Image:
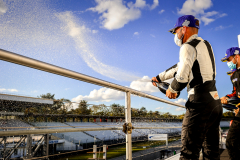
(236, 52)
(226, 54)
(186, 23)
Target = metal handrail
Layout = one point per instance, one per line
(32, 63)
(48, 131)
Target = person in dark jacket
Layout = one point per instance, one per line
(232, 58)
(196, 70)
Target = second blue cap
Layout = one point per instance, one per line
(230, 52)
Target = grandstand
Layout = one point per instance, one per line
(13, 124)
(71, 141)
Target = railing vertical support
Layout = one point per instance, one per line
(104, 152)
(29, 146)
(4, 146)
(95, 152)
(128, 120)
(46, 145)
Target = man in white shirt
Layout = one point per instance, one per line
(196, 70)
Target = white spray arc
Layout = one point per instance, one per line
(84, 41)
(51, 36)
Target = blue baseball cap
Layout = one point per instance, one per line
(186, 20)
(230, 52)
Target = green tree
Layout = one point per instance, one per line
(95, 109)
(134, 112)
(65, 105)
(103, 110)
(117, 110)
(167, 115)
(83, 108)
(48, 96)
(181, 116)
(228, 114)
(150, 113)
(156, 114)
(143, 112)
(59, 105)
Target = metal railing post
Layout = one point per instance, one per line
(104, 152)
(46, 145)
(4, 147)
(128, 120)
(29, 146)
(94, 151)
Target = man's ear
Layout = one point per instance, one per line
(184, 30)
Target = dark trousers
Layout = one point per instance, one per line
(200, 130)
(233, 139)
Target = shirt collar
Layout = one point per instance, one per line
(192, 37)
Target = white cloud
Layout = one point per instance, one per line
(103, 94)
(83, 40)
(181, 101)
(197, 8)
(158, 108)
(144, 84)
(207, 20)
(222, 15)
(160, 12)
(180, 109)
(140, 4)
(222, 27)
(8, 90)
(155, 4)
(168, 108)
(136, 33)
(152, 35)
(3, 7)
(94, 31)
(12, 90)
(115, 14)
(2, 89)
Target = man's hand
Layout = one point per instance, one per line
(237, 110)
(154, 79)
(171, 95)
(224, 100)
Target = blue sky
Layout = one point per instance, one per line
(117, 41)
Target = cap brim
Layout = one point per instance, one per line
(229, 73)
(224, 59)
(172, 30)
